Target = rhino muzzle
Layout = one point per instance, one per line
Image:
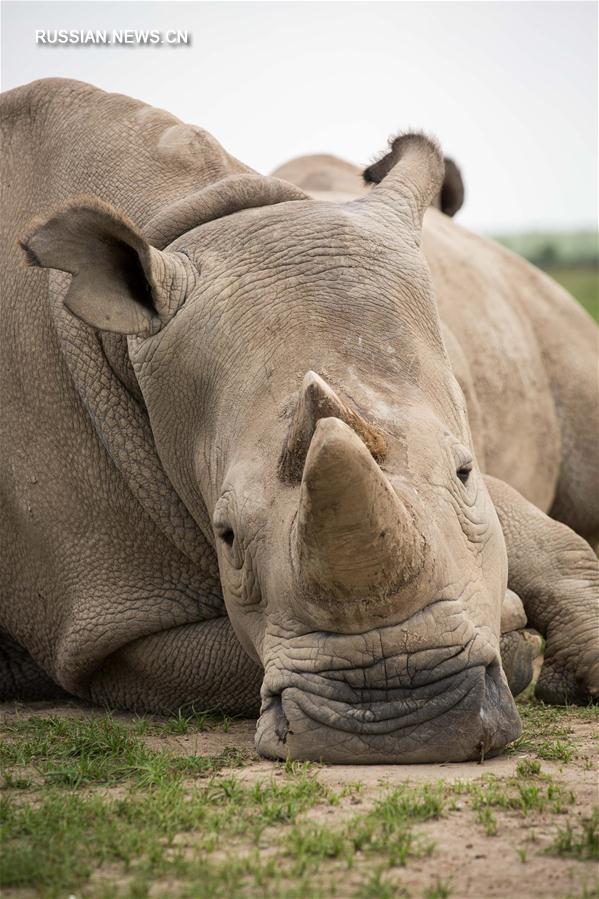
(436, 704)
(462, 718)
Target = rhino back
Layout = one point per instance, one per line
(482, 293)
(85, 561)
(66, 137)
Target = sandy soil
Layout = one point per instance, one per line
(511, 865)
(474, 865)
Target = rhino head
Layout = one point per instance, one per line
(301, 399)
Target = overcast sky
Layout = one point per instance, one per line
(510, 88)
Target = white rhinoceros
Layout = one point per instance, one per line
(229, 418)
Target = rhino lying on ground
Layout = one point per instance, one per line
(236, 460)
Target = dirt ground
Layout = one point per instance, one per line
(470, 860)
(474, 865)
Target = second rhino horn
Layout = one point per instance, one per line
(317, 400)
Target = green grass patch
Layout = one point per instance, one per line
(439, 891)
(571, 259)
(529, 791)
(487, 818)
(580, 841)
(547, 731)
(582, 282)
(87, 807)
(377, 886)
(528, 768)
(98, 750)
(386, 830)
(55, 844)
(555, 249)
(191, 722)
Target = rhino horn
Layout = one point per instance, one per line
(316, 401)
(354, 536)
(408, 178)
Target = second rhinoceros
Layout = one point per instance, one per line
(236, 460)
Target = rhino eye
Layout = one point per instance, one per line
(224, 531)
(228, 537)
(463, 463)
(222, 523)
(463, 472)
(226, 534)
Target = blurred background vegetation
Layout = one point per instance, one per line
(572, 258)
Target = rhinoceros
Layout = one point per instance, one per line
(249, 460)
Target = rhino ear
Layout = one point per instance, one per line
(449, 199)
(408, 177)
(120, 283)
(452, 193)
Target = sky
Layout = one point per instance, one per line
(509, 88)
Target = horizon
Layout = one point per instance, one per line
(275, 81)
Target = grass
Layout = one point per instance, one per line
(56, 843)
(546, 731)
(571, 258)
(439, 891)
(99, 798)
(488, 820)
(528, 768)
(194, 722)
(378, 887)
(580, 842)
(77, 751)
(588, 892)
(582, 282)
(517, 794)
(384, 831)
(87, 805)
(571, 248)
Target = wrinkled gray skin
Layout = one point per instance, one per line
(278, 455)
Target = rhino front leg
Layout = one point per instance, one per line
(21, 678)
(199, 666)
(556, 574)
(519, 645)
(519, 649)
